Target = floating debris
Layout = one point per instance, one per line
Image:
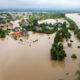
(74, 56)
(35, 40)
(67, 73)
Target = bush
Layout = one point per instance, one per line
(78, 35)
(74, 56)
(57, 52)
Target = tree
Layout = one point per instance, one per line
(2, 33)
(57, 52)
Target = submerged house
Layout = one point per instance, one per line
(16, 35)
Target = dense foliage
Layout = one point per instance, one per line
(2, 33)
(57, 52)
(74, 56)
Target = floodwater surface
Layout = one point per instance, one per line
(30, 59)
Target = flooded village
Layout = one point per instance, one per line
(39, 46)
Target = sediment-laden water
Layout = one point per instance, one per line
(30, 59)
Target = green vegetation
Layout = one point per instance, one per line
(62, 33)
(74, 56)
(30, 24)
(57, 52)
(42, 16)
(33, 25)
(78, 34)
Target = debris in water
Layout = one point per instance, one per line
(35, 40)
(67, 73)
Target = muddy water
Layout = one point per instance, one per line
(75, 17)
(30, 60)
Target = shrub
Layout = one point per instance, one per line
(2, 33)
(57, 52)
(74, 56)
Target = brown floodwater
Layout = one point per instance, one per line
(30, 59)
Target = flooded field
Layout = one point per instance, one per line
(30, 59)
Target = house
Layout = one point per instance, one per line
(16, 35)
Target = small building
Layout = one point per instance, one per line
(16, 35)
